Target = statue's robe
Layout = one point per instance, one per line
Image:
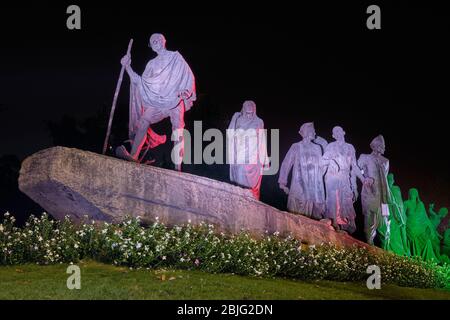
(419, 230)
(446, 243)
(374, 195)
(338, 185)
(306, 191)
(159, 87)
(247, 151)
(435, 240)
(436, 219)
(397, 241)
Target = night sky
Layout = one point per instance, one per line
(298, 64)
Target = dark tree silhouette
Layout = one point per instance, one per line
(88, 133)
(11, 198)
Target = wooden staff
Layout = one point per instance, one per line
(116, 94)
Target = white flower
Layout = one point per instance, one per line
(138, 245)
(76, 246)
(164, 257)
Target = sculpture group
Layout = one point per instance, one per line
(324, 176)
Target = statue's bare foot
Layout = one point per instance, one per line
(122, 153)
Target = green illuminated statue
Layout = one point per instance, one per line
(397, 241)
(436, 217)
(420, 230)
(446, 244)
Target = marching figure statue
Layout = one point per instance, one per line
(446, 245)
(397, 241)
(436, 217)
(247, 148)
(165, 89)
(419, 228)
(340, 185)
(306, 194)
(375, 196)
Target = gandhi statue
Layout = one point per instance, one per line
(247, 148)
(375, 196)
(306, 194)
(165, 89)
(340, 183)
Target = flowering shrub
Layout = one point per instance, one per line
(44, 241)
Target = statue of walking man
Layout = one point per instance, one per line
(375, 196)
(247, 148)
(306, 194)
(340, 182)
(165, 89)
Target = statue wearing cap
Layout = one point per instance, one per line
(247, 151)
(166, 88)
(306, 194)
(375, 196)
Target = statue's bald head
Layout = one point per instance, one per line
(413, 194)
(249, 108)
(338, 133)
(157, 42)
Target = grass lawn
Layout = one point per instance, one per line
(101, 281)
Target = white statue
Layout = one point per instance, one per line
(247, 148)
(165, 89)
(306, 194)
(376, 194)
(340, 182)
